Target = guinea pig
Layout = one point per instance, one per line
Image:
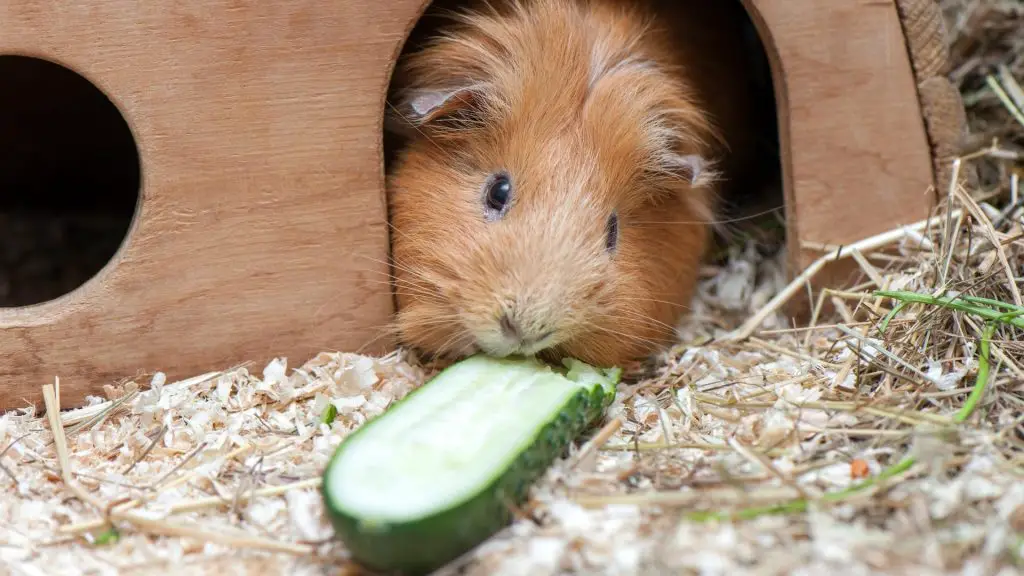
(559, 174)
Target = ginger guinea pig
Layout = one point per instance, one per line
(559, 174)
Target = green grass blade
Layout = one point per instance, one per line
(952, 303)
(981, 382)
(801, 505)
(991, 302)
(888, 317)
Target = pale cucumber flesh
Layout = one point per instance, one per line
(450, 441)
(436, 472)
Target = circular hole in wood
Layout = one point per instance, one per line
(69, 180)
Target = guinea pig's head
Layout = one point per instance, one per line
(551, 195)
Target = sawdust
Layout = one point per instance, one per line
(873, 442)
(765, 428)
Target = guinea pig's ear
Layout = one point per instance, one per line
(699, 173)
(692, 168)
(422, 108)
(429, 105)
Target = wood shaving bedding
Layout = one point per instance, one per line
(833, 450)
(748, 424)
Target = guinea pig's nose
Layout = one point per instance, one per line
(509, 327)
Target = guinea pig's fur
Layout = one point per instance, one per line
(614, 124)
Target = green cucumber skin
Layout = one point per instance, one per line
(424, 546)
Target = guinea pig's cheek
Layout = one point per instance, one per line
(451, 294)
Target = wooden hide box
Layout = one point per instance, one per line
(261, 228)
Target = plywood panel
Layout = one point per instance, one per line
(856, 157)
(262, 226)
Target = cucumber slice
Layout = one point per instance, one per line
(435, 475)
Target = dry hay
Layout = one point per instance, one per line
(987, 40)
(848, 447)
(986, 36)
(888, 438)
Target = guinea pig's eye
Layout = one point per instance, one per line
(498, 192)
(612, 229)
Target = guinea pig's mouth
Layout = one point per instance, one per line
(510, 343)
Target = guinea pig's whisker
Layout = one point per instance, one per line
(710, 222)
(632, 337)
(428, 294)
(639, 317)
(390, 282)
(424, 298)
(383, 333)
(458, 339)
(646, 323)
(392, 329)
(414, 280)
(410, 289)
(411, 124)
(425, 277)
(656, 301)
(637, 338)
(384, 273)
(437, 320)
(449, 319)
(391, 263)
(432, 329)
(417, 288)
(416, 274)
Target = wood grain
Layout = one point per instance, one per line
(942, 107)
(856, 160)
(262, 225)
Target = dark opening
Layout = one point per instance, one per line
(69, 180)
(756, 210)
(753, 210)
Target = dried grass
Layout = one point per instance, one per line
(987, 41)
(887, 437)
